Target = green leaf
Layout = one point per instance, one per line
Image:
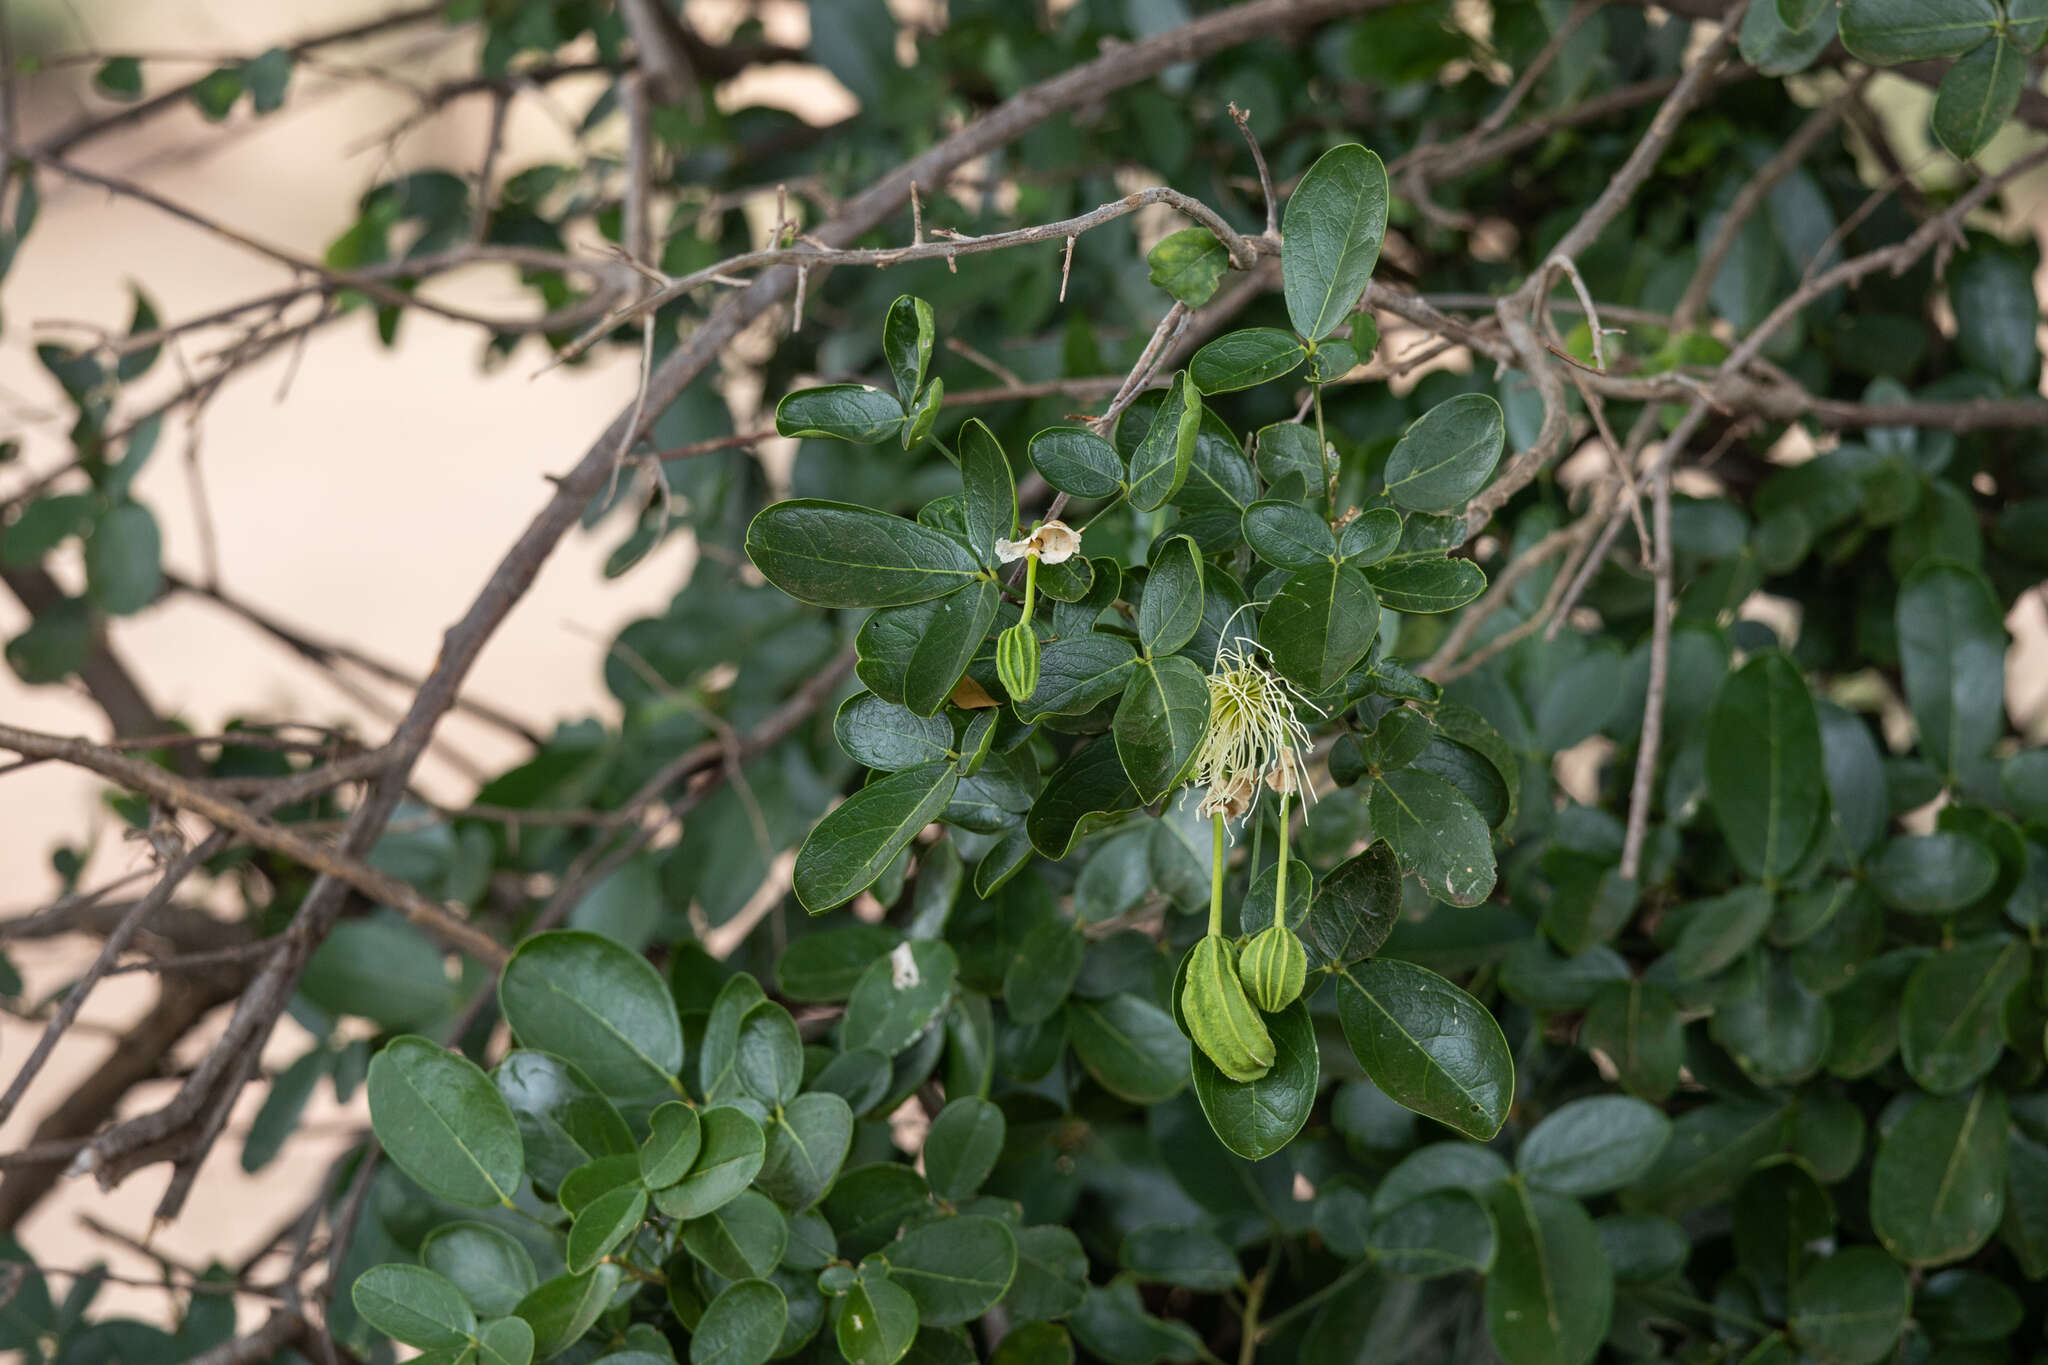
(1160, 723)
(1937, 1187)
(43, 525)
(1932, 874)
(1950, 1016)
(1112, 1325)
(1256, 1119)
(506, 1341)
(1171, 606)
(1763, 765)
(1089, 785)
(1288, 534)
(413, 1305)
(728, 1159)
(1041, 975)
(561, 1310)
(909, 330)
(1593, 1145)
(806, 1146)
(1427, 585)
(1052, 1274)
(1246, 358)
(1977, 95)
(1710, 1151)
(1035, 1343)
(1886, 32)
(441, 1121)
(834, 554)
(1445, 1233)
(962, 1146)
(769, 1061)
(991, 490)
(1778, 1033)
(1447, 454)
(743, 1239)
(1550, 1296)
(1077, 462)
(2027, 23)
(1991, 290)
(955, 1268)
(119, 78)
(1319, 625)
(124, 560)
(1355, 908)
(564, 1121)
(1849, 1309)
(1952, 657)
(490, 1267)
(1159, 463)
(874, 1321)
(880, 734)
(279, 1116)
(1330, 238)
(824, 967)
(1190, 1257)
(1188, 264)
(602, 1224)
(900, 996)
(1077, 675)
(1427, 1044)
(1130, 1046)
(600, 1006)
(1370, 538)
(1775, 48)
(1288, 448)
(859, 838)
(741, 1326)
(1436, 834)
(845, 412)
(1717, 931)
(953, 633)
(216, 92)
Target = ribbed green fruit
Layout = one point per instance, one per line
(1219, 1016)
(1017, 661)
(1273, 968)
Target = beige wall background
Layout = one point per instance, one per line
(362, 492)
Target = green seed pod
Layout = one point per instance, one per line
(1274, 968)
(1017, 661)
(1219, 1017)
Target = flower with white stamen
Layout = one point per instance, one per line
(1255, 734)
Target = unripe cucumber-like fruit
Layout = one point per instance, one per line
(1220, 1017)
(1273, 968)
(1017, 661)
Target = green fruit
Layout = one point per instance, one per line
(1274, 968)
(1017, 661)
(1219, 1017)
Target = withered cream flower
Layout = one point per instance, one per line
(1052, 542)
(1255, 734)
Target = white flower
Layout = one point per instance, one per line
(1254, 734)
(1052, 542)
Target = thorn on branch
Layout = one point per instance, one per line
(1066, 268)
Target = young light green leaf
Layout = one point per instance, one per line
(1188, 264)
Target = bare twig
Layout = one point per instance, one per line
(1652, 736)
